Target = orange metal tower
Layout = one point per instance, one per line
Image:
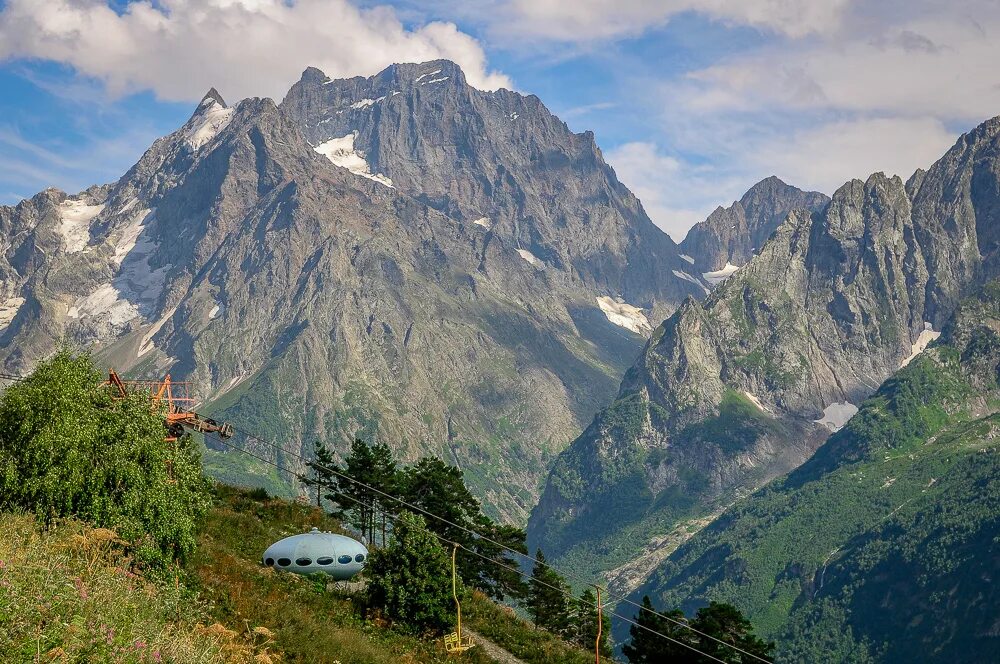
(176, 397)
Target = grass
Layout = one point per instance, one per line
(66, 595)
(503, 627)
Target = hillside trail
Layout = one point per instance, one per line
(494, 651)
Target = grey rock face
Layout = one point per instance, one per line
(734, 234)
(732, 392)
(306, 295)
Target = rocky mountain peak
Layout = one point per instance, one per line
(212, 96)
(731, 236)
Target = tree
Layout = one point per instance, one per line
(322, 476)
(646, 646)
(67, 448)
(585, 623)
(359, 489)
(439, 489)
(716, 621)
(410, 578)
(726, 623)
(547, 598)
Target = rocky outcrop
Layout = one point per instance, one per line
(736, 390)
(733, 235)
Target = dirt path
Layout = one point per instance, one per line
(494, 651)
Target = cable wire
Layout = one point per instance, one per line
(492, 561)
(470, 531)
(528, 557)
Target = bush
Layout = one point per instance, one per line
(410, 579)
(68, 449)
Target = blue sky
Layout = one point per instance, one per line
(691, 101)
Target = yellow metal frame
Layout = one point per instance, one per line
(454, 643)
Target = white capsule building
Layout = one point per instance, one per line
(339, 556)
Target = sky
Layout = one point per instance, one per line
(691, 101)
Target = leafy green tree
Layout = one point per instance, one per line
(439, 489)
(548, 598)
(716, 622)
(726, 623)
(410, 578)
(646, 646)
(67, 448)
(585, 624)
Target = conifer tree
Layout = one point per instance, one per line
(585, 624)
(648, 647)
(547, 598)
(322, 476)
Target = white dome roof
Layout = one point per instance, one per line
(337, 555)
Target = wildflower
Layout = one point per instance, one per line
(140, 644)
(156, 656)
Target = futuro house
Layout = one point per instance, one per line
(339, 556)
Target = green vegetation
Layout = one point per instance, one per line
(738, 425)
(408, 578)
(718, 632)
(66, 594)
(67, 448)
(878, 547)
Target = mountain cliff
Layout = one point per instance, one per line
(731, 236)
(743, 387)
(883, 546)
(448, 270)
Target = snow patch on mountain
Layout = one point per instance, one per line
(147, 344)
(341, 152)
(530, 257)
(74, 223)
(687, 258)
(837, 414)
(418, 78)
(484, 222)
(210, 119)
(681, 274)
(216, 311)
(718, 276)
(753, 399)
(624, 315)
(8, 310)
(926, 336)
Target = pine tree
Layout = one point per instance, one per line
(439, 489)
(585, 624)
(547, 598)
(322, 476)
(648, 647)
(410, 578)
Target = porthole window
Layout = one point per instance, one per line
(284, 562)
(269, 562)
(343, 560)
(360, 558)
(303, 562)
(326, 560)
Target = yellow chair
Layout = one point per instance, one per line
(455, 642)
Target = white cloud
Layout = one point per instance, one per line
(943, 65)
(608, 19)
(826, 156)
(180, 48)
(675, 194)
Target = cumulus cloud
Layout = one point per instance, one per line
(180, 48)
(608, 19)
(675, 193)
(943, 65)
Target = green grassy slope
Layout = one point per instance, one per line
(313, 623)
(885, 544)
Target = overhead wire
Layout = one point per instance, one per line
(613, 599)
(489, 560)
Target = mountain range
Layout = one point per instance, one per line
(792, 410)
(402, 256)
